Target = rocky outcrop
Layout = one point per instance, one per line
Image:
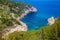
(27, 10)
(22, 27)
(51, 20)
(18, 28)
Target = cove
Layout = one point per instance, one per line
(45, 8)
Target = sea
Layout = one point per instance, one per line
(45, 10)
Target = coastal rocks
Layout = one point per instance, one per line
(30, 8)
(33, 9)
(27, 10)
(51, 20)
(22, 27)
(18, 28)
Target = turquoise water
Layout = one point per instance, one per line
(45, 9)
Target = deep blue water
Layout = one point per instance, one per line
(45, 9)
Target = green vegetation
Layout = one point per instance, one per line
(6, 20)
(7, 9)
(44, 33)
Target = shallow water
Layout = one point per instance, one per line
(45, 9)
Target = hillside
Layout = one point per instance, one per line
(44, 33)
(9, 11)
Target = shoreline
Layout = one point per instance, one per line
(27, 10)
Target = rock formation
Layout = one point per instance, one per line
(51, 21)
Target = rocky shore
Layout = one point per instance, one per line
(51, 20)
(27, 10)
